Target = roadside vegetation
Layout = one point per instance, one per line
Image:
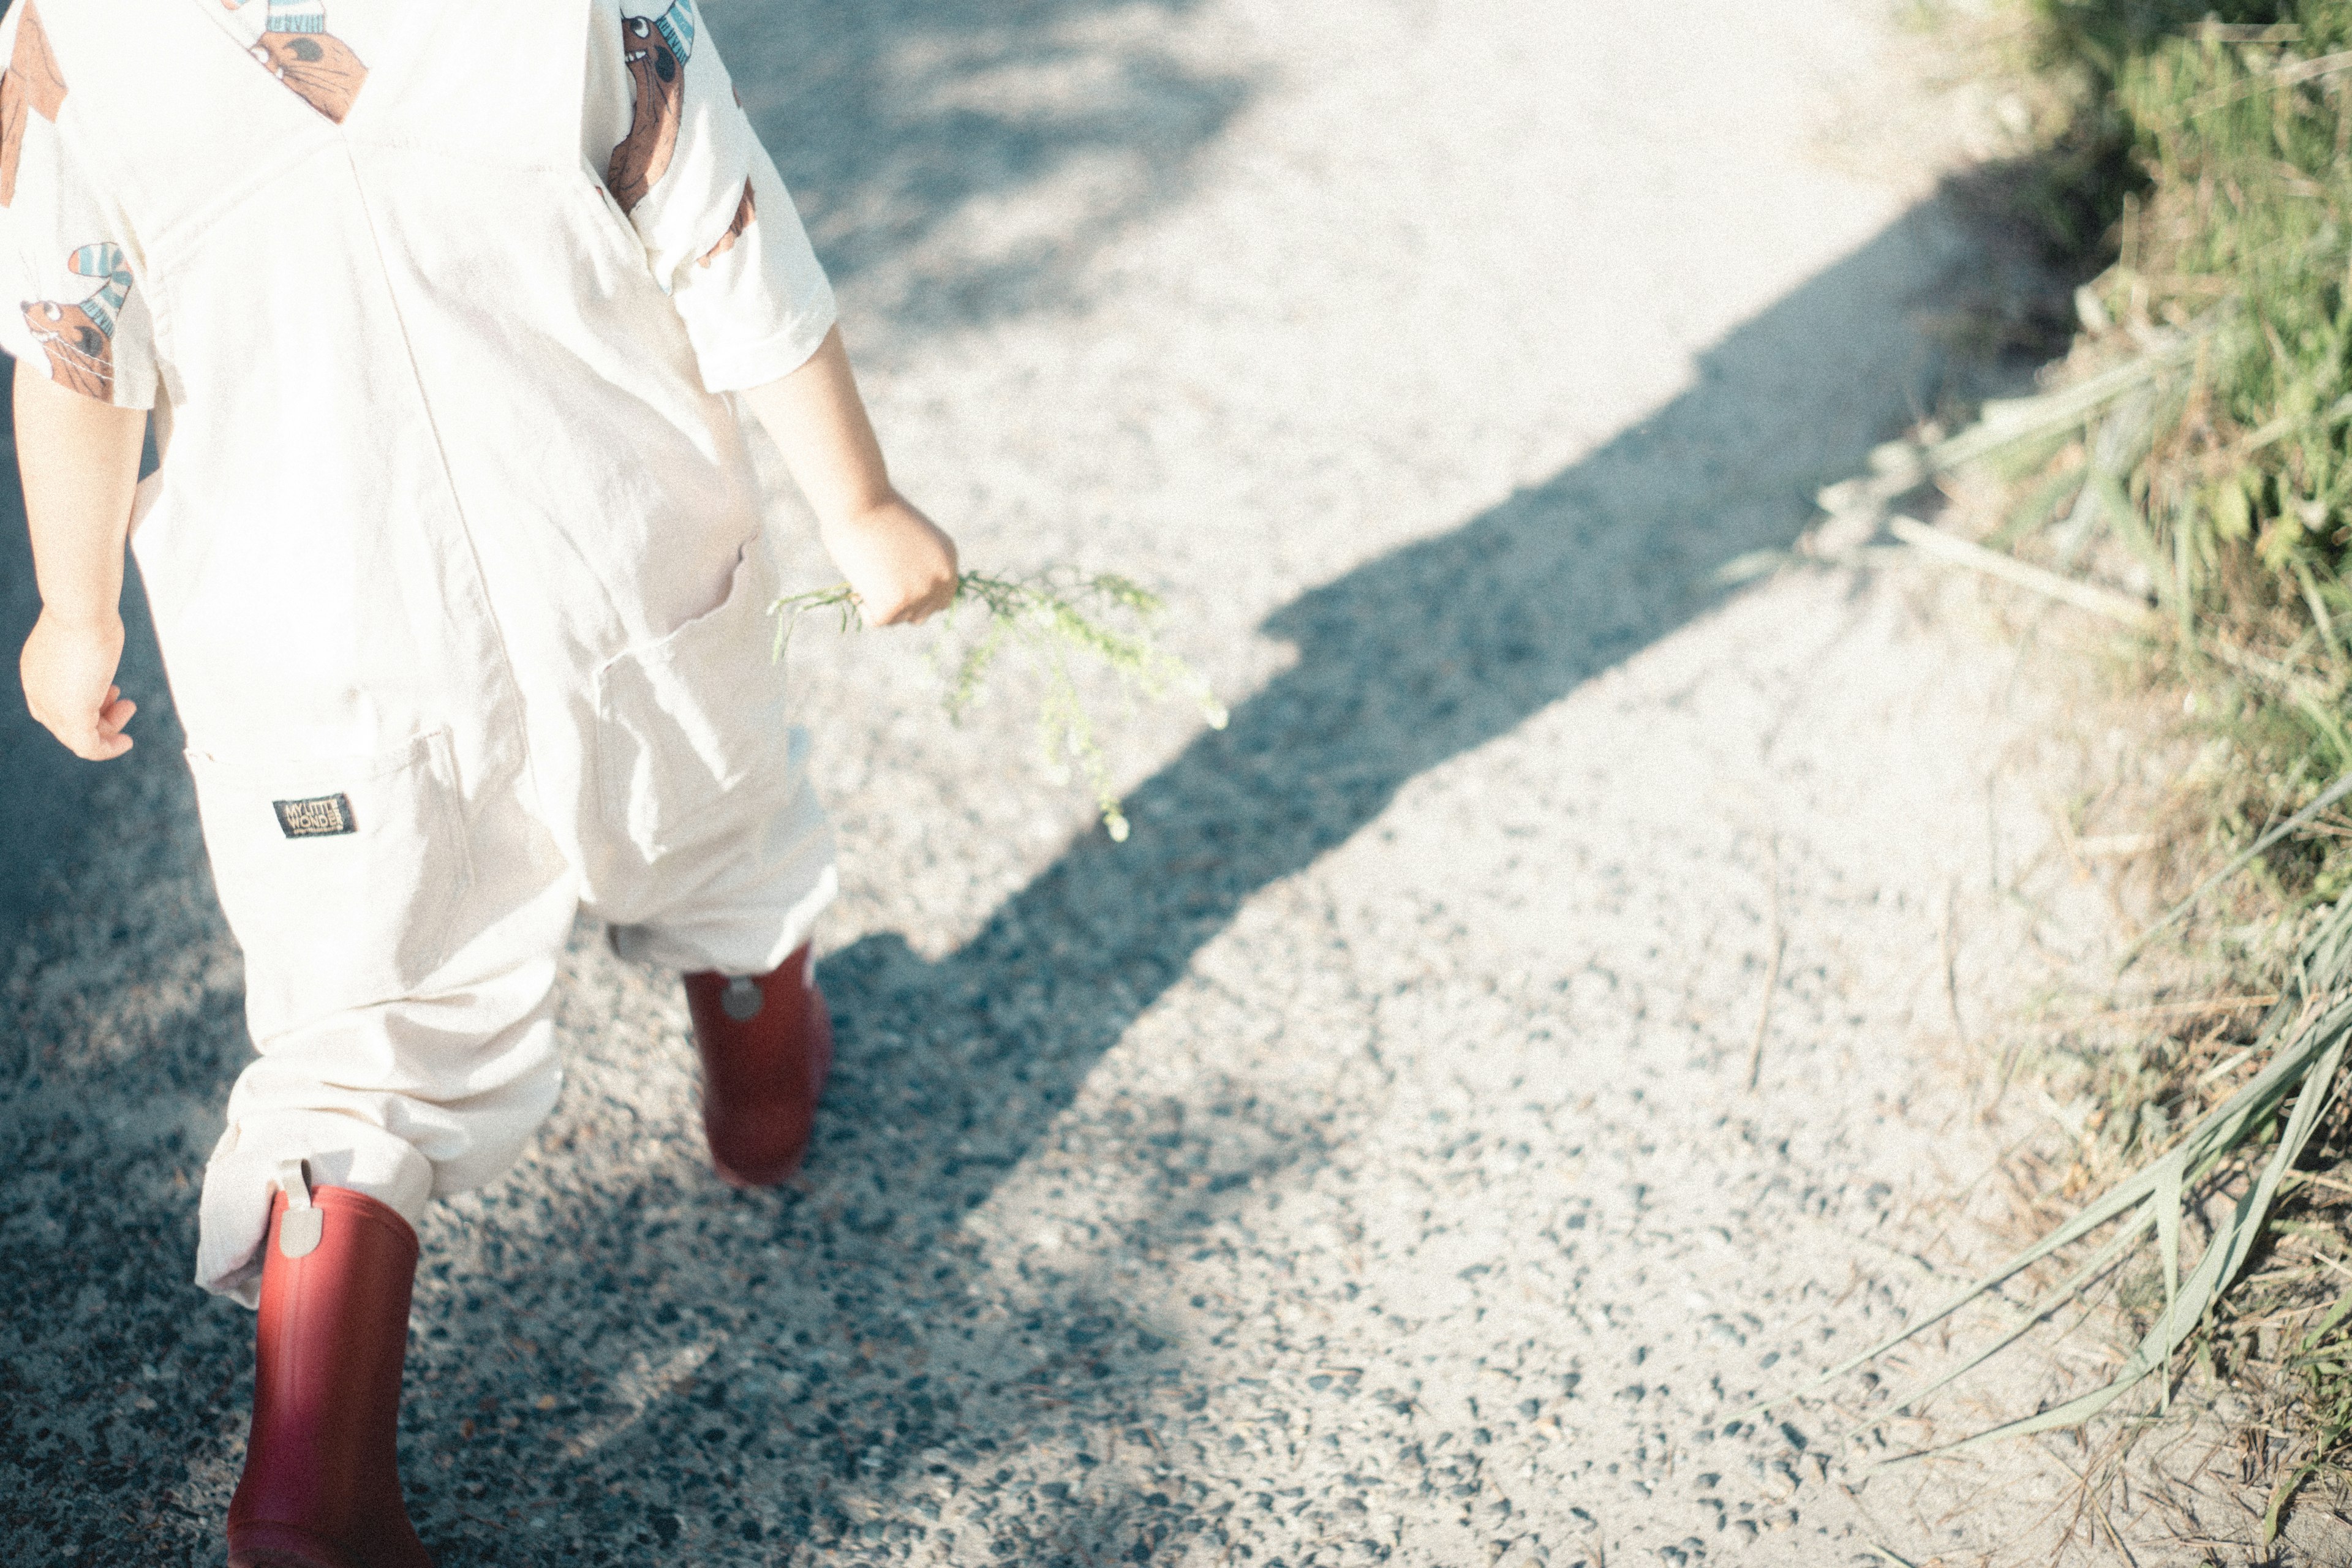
(2186, 473)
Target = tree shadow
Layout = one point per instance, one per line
(1060, 123)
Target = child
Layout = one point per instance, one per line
(453, 554)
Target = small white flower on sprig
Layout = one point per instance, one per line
(1051, 615)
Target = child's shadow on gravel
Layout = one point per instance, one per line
(807, 1365)
(616, 1360)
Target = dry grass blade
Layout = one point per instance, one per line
(2246, 858)
(2008, 569)
(1771, 978)
(2003, 423)
(2003, 427)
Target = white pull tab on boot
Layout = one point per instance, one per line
(304, 1223)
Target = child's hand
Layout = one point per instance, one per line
(900, 563)
(69, 671)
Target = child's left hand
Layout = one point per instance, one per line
(900, 564)
(69, 673)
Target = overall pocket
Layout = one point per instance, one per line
(692, 722)
(340, 876)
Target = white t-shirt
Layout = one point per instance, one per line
(436, 302)
(660, 124)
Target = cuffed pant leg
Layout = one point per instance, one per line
(404, 1100)
(342, 1151)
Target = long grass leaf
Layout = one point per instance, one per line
(2167, 1205)
(2328, 1324)
(2233, 1241)
(2204, 1145)
(2008, 569)
(2132, 528)
(2119, 1201)
(2034, 1312)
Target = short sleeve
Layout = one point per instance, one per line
(667, 128)
(69, 301)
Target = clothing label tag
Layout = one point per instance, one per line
(316, 818)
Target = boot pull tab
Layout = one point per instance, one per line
(742, 998)
(303, 1223)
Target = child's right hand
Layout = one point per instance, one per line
(900, 564)
(68, 672)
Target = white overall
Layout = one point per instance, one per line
(453, 552)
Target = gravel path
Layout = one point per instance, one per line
(1358, 1164)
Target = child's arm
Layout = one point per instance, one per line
(79, 461)
(898, 562)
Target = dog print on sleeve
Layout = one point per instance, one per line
(746, 214)
(78, 338)
(295, 47)
(31, 85)
(656, 50)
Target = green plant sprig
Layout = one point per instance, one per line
(1051, 614)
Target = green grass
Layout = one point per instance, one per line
(2221, 147)
(2197, 451)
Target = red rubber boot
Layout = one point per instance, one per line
(767, 1044)
(321, 1483)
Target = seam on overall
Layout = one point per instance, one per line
(449, 485)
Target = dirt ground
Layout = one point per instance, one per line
(1360, 1164)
